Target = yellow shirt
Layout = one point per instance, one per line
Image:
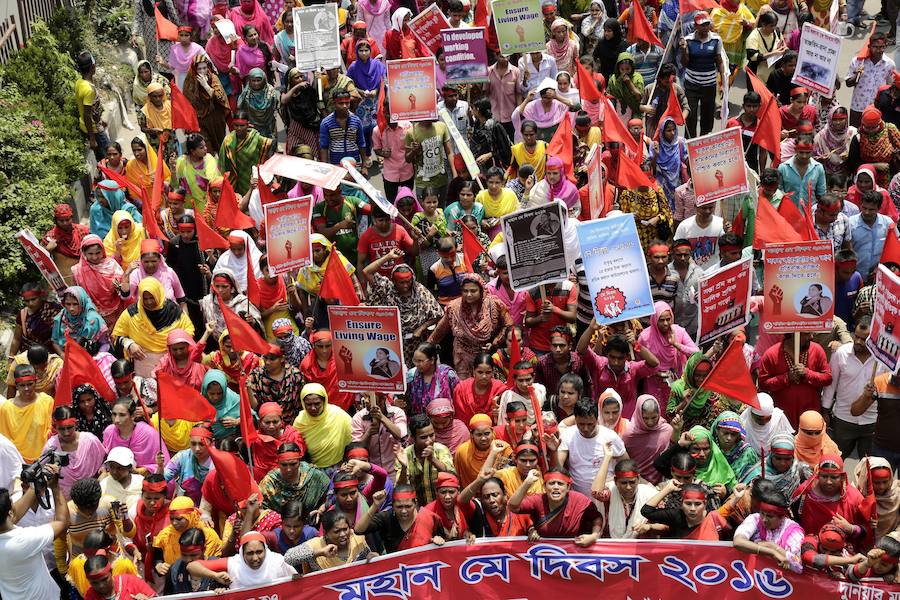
(27, 427)
(85, 96)
(511, 481)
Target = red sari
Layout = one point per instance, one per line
(265, 450)
(467, 403)
(125, 586)
(575, 517)
(816, 510)
(327, 377)
(97, 281)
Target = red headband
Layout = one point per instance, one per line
(185, 28)
(358, 453)
(190, 549)
(773, 508)
(222, 279)
(253, 536)
(347, 483)
(445, 479)
(319, 336)
(175, 196)
(269, 408)
(517, 413)
(557, 476)
(831, 470)
(283, 329)
(25, 378)
(201, 432)
(480, 419)
(186, 227)
(101, 574)
(70, 422)
(845, 263)
(887, 473)
(240, 121)
(693, 495)
(158, 487)
(527, 447)
(236, 240)
(282, 456)
(403, 275)
(782, 451)
(677, 471)
(180, 512)
(523, 371)
(657, 248)
(405, 495)
(28, 294)
(625, 474)
(683, 245)
(730, 247)
(891, 560)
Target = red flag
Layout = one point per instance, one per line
(336, 282)
(165, 29)
(641, 29)
(687, 6)
(891, 251)
(233, 475)
(243, 336)
(796, 218)
(181, 400)
(158, 177)
(630, 175)
(248, 429)
(673, 109)
(136, 190)
(151, 227)
(515, 356)
(808, 222)
(183, 114)
(472, 248)
(381, 118)
(864, 52)
(615, 131)
(78, 368)
(586, 85)
(768, 127)
(229, 215)
(253, 291)
(207, 237)
(730, 376)
(771, 227)
(482, 14)
(560, 146)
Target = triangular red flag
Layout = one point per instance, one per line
(770, 227)
(249, 434)
(151, 227)
(266, 195)
(795, 217)
(233, 474)
(207, 237)
(864, 52)
(586, 85)
(560, 146)
(768, 126)
(183, 114)
(515, 356)
(336, 282)
(891, 251)
(165, 29)
(229, 215)
(381, 118)
(730, 376)
(809, 224)
(243, 337)
(79, 368)
(673, 110)
(630, 175)
(614, 130)
(472, 248)
(688, 6)
(482, 14)
(640, 28)
(181, 401)
(158, 177)
(136, 190)
(253, 291)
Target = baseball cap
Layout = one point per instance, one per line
(701, 17)
(121, 456)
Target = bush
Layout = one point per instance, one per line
(113, 20)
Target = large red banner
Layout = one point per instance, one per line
(504, 568)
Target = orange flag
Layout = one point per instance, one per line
(183, 114)
(336, 282)
(165, 29)
(182, 401)
(630, 175)
(79, 368)
(207, 237)
(560, 146)
(253, 292)
(768, 127)
(615, 131)
(243, 336)
(891, 251)
(687, 6)
(585, 83)
(771, 227)
(249, 434)
(864, 52)
(472, 248)
(641, 29)
(229, 215)
(233, 475)
(730, 376)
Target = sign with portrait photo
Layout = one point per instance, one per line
(817, 60)
(317, 43)
(535, 247)
(884, 334)
(287, 234)
(519, 25)
(368, 348)
(798, 290)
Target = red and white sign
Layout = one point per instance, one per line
(798, 286)
(287, 234)
(368, 348)
(312, 172)
(427, 26)
(412, 86)
(717, 166)
(724, 299)
(42, 259)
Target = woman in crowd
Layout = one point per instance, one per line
(260, 100)
(101, 277)
(430, 379)
(671, 345)
(137, 436)
(86, 453)
(731, 438)
(206, 94)
(646, 436)
(197, 172)
(79, 320)
(324, 427)
(109, 199)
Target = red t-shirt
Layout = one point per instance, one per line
(562, 295)
(125, 586)
(373, 246)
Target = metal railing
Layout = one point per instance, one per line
(15, 27)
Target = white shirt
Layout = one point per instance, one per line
(10, 462)
(704, 240)
(128, 496)
(23, 572)
(849, 377)
(586, 455)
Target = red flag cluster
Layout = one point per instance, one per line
(79, 368)
(768, 127)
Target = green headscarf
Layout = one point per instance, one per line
(619, 90)
(743, 458)
(716, 470)
(228, 407)
(699, 397)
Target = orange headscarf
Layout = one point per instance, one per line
(811, 448)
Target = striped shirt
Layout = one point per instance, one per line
(342, 142)
(701, 70)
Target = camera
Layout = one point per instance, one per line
(38, 476)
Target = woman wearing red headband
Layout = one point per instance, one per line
(337, 547)
(828, 551)
(525, 460)
(480, 450)
(253, 565)
(183, 515)
(63, 241)
(828, 498)
(100, 275)
(294, 479)
(151, 515)
(771, 532)
(881, 561)
(152, 264)
(189, 467)
(86, 452)
(192, 544)
(559, 511)
(622, 498)
(887, 492)
(319, 367)
(104, 584)
(274, 433)
(690, 520)
(224, 285)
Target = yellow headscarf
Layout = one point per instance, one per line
(131, 249)
(141, 328)
(168, 539)
(141, 174)
(327, 435)
(310, 278)
(177, 436)
(157, 118)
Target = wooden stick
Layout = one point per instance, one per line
(874, 368)
(353, 184)
(796, 348)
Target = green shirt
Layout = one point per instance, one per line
(345, 239)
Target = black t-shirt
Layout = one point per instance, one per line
(388, 528)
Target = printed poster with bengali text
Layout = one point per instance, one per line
(519, 25)
(412, 89)
(312, 172)
(42, 259)
(317, 42)
(884, 334)
(817, 60)
(724, 300)
(798, 287)
(465, 55)
(427, 27)
(368, 348)
(616, 269)
(287, 234)
(535, 245)
(717, 166)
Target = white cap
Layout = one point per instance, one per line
(121, 456)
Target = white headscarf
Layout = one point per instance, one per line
(759, 436)
(272, 568)
(397, 18)
(619, 526)
(238, 266)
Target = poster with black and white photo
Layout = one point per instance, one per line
(817, 59)
(317, 42)
(535, 248)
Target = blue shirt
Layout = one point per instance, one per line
(647, 62)
(868, 241)
(845, 296)
(342, 142)
(793, 183)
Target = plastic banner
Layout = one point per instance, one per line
(287, 234)
(460, 143)
(798, 287)
(724, 299)
(368, 348)
(412, 89)
(519, 25)
(465, 55)
(42, 259)
(535, 246)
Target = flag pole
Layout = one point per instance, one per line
(796, 348)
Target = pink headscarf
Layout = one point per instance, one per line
(258, 19)
(192, 373)
(669, 356)
(565, 190)
(455, 434)
(643, 443)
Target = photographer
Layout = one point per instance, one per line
(23, 572)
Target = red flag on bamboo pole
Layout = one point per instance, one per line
(730, 376)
